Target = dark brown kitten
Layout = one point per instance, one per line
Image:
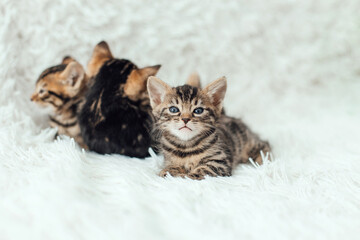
(195, 137)
(63, 87)
(116, 117)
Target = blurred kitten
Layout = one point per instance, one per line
(116, 117)
(63, 87)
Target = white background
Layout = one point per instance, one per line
(293, 74)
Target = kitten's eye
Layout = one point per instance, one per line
(199, 110)
(173, 109)
(41, 91)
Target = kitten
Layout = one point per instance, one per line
(195, 137)
(62, 87)
(116, 117)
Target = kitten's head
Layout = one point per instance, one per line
(131, 78)
(57, 84)
(186, 111)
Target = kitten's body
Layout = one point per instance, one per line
(208, 143)
(63, 87)
(106, 109)
(65, 119)
(116, 117)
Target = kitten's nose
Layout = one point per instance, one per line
(186, 120)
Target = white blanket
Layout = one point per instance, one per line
(293, 74)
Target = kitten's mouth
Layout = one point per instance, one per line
(185, 127)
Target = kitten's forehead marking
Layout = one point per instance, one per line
(51, 70)
(197, 102)
(186, 93)
(175, 100)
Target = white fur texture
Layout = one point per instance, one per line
(184, 131)
(293, 75)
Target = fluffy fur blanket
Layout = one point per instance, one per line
(293, 74)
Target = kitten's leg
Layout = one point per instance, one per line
(175, 171)
(213, 168)
(250, 142)
(255, 149)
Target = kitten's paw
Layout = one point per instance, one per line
(196, 176)
(259, 160)
(173, 171)
(260, 152)
(163, 173)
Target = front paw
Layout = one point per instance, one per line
(163, 172)
(173, 171)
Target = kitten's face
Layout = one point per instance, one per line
(186, 111)
(56, 85)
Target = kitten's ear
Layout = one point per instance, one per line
(216, 92)
(146, 72)
(136, 82)
(157, 90)
(99, 56)
(67, 60)
(194, 80)
(73, 75)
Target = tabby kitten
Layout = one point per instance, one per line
(116, 117)
(195, 137)
(62, 87)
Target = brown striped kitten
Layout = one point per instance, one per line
(195, 138)
(63, 87)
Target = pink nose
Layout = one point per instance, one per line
(186, 120)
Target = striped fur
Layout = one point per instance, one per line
(199, 144)
(63, 88)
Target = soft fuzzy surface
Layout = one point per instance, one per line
(293, 74)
